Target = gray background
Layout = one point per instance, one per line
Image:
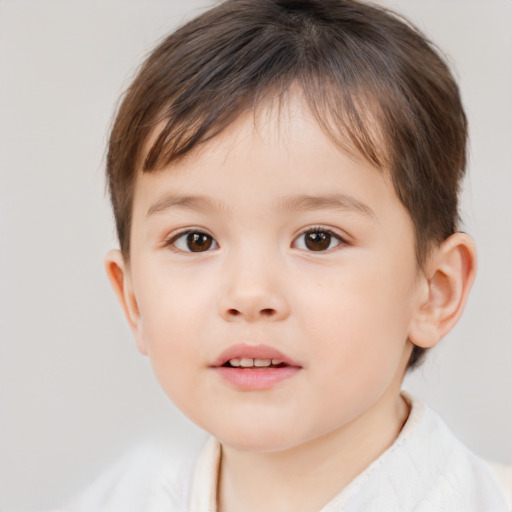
(74, 392)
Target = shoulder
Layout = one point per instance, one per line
(462, 475)
(146, 479)
(503, 475)
(427, 468)
(458, 480)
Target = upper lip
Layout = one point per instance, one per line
(244, 350)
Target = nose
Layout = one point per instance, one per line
(253, 292)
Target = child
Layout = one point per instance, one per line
(284, 177)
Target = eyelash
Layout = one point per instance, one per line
(319, 229)
(171, 242)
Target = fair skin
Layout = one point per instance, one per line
(271, 235)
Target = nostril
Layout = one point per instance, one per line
(263, 312)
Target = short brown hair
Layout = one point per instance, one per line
(374, 83)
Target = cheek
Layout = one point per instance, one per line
(359, 319)
(174, 314)
(358, 348)
(173, 302)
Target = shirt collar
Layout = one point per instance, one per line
(204, 483)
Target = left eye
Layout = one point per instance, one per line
(317, 240)
(194, 241)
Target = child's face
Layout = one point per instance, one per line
(299, 248)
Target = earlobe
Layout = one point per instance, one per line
(448, 278)
(119, 276)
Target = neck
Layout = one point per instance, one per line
(306, 477)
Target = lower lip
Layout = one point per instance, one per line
(256, 379)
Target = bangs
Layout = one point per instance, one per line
(347, 119)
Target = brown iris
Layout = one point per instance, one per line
(198, 242)
(317, 240)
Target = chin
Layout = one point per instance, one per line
(258, 439)
(255, 445)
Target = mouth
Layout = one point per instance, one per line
(254, 367)
(254, 363)
(247, 356)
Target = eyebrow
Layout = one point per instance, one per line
(195, 203)
(334, 202)
(292, 203)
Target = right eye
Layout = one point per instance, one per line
(193, 241)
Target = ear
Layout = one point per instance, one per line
(447, 280)
(118, 272)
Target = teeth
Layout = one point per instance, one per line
(262, 362)
(276, 361)
(250, 363)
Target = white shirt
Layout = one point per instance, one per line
(426, 469)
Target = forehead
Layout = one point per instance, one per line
(350, 119)
(277, 149)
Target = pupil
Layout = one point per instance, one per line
(318, 241)
(198, 242)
